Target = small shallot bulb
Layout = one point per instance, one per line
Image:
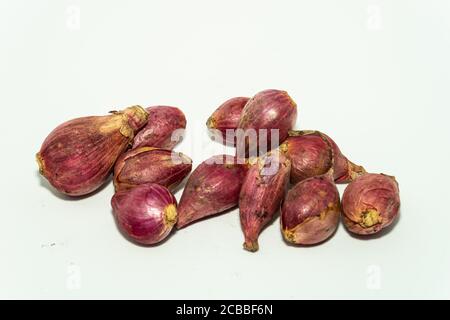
(151, 165)
(310, 213)
(213, 187)
(164, 128)
(310, 154)
(313, 153)
(78, 156)
(263, 190)
(225, 119)
(265, 122)
(371, 203)
(145, 214)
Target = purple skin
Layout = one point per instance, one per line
(310, 213)
(226, 118)
(161, 124)
(145, 214)
(345, 171)
(212, 188)
(78, 156)
(269, 109)
(371, 203)
(310, 156)
(151, 165)
(311, 153)
(261, 195)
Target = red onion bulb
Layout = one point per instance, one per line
(163, 122)
(263, 190)
(213, 187)
(310, 213)
(267, 110)
(151, 165)
(226, 119)
(313, 153)
(78, 156)
(371, 203)
(146, 214)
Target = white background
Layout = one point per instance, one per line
(373, 74)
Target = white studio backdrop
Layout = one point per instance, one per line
(373, 74)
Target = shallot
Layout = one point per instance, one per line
(310, 213)
(213, 187)
(78, 156)
(265, 122)
(225, 119)
(263, 190)
(164, 128)
(371, 203)
(151, 165)
(145, 214)
(312, 154)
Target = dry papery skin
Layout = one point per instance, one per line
(310, 213)
(312, 154)
(162, 122)
(151, 165)
(145, 214)
(371, 203)
(226, 119)
(78, 156)
(269, 109)
(212, 188)
(263, 190)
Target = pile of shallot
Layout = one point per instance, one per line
(274, 169)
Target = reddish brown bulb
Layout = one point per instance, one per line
(212, 188)
(78, 156)
(225, 119)
(370, 204)
(310, 213)
(261, 195)
(270, 110)
(145, 214)
(313, 153)
(151, 165)
(163, 129)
